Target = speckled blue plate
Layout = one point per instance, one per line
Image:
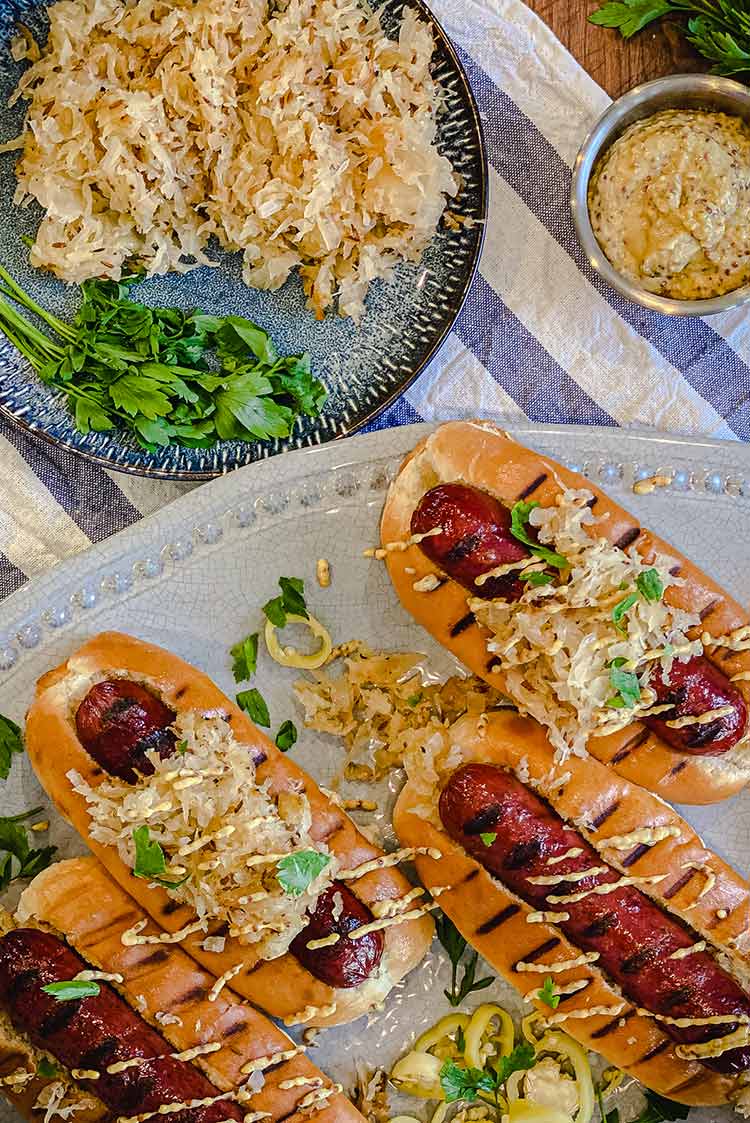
(364, 367)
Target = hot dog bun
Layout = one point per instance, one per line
(480, 454)
(493, 919)
(282, 987)
(169, 991)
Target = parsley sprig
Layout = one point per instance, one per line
(466, 1083)
(17, 858)
(291, 602)
(455, 946)
(718, 29)
(165, 375)
(546, 993)
(10, 744)
(245, 658)
(150, 861)
(296, 872)
(519, 517)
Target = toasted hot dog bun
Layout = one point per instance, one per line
(282, 986)
(479, 454)
(170, 991)
(700, 889)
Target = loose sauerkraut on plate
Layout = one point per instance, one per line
(297, 132)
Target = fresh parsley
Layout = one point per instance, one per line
(296, 872)
(519, 517)
(245, 658)
(254, 704)
(466, 1083)
(286, 736)
(535, 579)
(488, 837)
(17, 858)
(72, 989)
(414, 699)
(720, 31)
(165, 375)
(455, 946)
(10, 743)
(290, 603)
(182, 747)
(626, 686)
(546, 993)
(621, 609)
(650, 585)
(659, 1108)
(46, 1068)
(150, 862)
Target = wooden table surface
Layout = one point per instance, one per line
(617, 64)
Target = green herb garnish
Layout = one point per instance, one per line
(17, 858)
(488, 837)
(455, 946)
(254, 704)
(546, 993)
(621, 609)
(296, 872)
(286, 736)
(625, 684)
(245, 658)
(72, 989)
(10, 743)
(150, 862)
(718, 29)
(537, 578)
(466, 1083)
(46, 1069)
(519, 517)
(182, 747)
(414, 699)
(650, 585)
(290, 603)
(146, 370)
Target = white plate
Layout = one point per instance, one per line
(193, 578)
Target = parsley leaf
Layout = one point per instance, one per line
(150, 862)
(536, 578)
(286, 736)
(650, 585)
(414, 699)
(626, 686)
(659, 1108)
(488, 837)
(546, 993)
(621, 609)
(630, 15)
(519, 517)
(17, 859)
(46, 1068)
(10, 743)
(296, 872)
(290, 603)
(72, 989)
(455, 946)
(245, 656)
(523, 1057)
(254, 704)
(464, 1083)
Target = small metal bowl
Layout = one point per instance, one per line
(680, 91)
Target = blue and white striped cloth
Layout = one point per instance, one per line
(540, 337)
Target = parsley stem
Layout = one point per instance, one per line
(65, 331)
(24, 815)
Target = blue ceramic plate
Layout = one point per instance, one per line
(364, 367)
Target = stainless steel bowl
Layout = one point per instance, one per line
(680, 91)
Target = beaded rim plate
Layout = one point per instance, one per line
(193, 577)
(365, 368)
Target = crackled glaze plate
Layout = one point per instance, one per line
(193, 578)
(364, 367)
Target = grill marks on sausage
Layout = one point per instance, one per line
(639, 959)
(600, 926)
(628, 538)
(484, 821)
(462, 624)
(533, 486)
(498, 919)
(465, 546)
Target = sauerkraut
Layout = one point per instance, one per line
(219, 828)
(558, 644)
(382, 704)
(298, 133)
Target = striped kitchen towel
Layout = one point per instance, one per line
(540, 337)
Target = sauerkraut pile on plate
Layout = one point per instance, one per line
(298, 133)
